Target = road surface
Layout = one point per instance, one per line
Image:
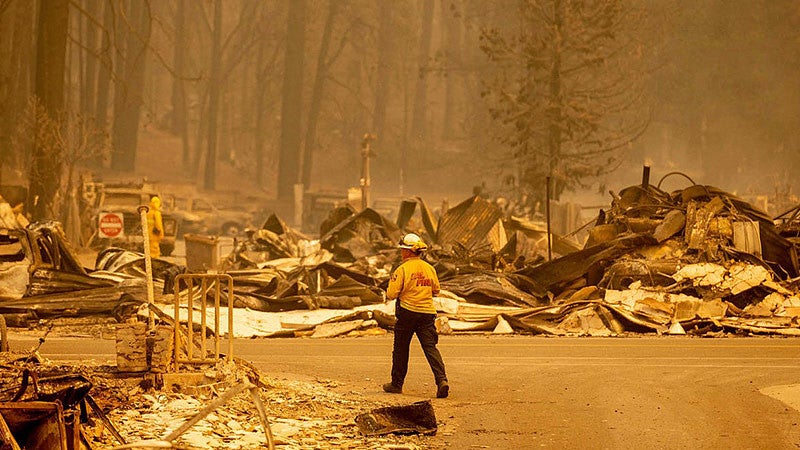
(518, 392)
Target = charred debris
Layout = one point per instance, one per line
(698, 260)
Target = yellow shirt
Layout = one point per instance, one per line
(414, 283)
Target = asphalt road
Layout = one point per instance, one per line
(518, 392)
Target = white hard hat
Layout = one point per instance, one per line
(412, 242)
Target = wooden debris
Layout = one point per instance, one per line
(327, 330)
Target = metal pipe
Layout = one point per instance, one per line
(148, 264)
(230, 318)
(549, 240)
(190, 322)
(203, 321)
(262, 414)
(216, 321)
(645, 177)
(176, 323)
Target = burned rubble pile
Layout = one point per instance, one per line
(91, 405)
(696, 261)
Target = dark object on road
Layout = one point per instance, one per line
(416, 418)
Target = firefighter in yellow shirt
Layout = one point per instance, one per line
(414, 284)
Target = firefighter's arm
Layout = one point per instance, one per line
(395, 284)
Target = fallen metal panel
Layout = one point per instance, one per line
(346, 286)
(51, 281)
(36, 425)
(7, 440)
(336, 271)
(368, 231)
(428, 219)
(575, 265)
(98, 301)
(489, 288)
(561, 245)
(407, 208)
(469, 224)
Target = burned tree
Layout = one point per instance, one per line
(128, 91)
(49, 88)
(567, 94)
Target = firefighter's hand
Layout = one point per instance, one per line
(156, 231)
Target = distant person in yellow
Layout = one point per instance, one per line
(155, 228)
(413, 284)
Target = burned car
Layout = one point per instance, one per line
(41, 277)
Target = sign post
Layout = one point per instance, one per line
(148, 264)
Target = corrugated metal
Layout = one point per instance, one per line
(473, 223)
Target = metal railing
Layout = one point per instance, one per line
(209, 284)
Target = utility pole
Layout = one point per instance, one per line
(366, 153)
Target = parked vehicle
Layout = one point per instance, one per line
(124, 202)
(199, 216)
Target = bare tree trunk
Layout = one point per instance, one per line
(210, 174)
(453, 75)
(198, 156)
(106, 63)
(88, 89)
(316, 94)
(382, 83)
(554, 110)
(259, 109)
(291, 105)
(128, 99)
(179, 117)
(50, 55)
(420, 96)
(17, 44)
(90, 60)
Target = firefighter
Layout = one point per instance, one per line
(155, 227)
(414, 284)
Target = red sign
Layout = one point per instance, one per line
(109, 225)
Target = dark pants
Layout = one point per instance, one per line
(408, 323)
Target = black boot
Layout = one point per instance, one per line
(442, 389)
(392, 389)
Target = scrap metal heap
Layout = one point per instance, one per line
(698, 260)
(694, 261)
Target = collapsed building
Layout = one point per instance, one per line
(698, 260)
(695, 261)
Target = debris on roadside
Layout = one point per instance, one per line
(92, 405)
(654, 261)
